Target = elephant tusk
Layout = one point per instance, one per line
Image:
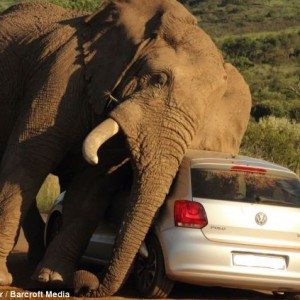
(97, 137)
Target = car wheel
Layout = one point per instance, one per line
(149, 272)
(292, 296)
(286, 296)
(279, 295)
(54, 227)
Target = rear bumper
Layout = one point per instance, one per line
(191, 258)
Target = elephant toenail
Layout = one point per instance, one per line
(43, 277)
(56, 277)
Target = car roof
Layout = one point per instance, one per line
(196, 157)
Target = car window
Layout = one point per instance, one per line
(245, 186)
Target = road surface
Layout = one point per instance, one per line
(22, 284)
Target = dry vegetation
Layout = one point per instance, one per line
(262, 38)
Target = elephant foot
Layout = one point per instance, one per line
(61, 276)
(5, 276)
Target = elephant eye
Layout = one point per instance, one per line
(159, 80)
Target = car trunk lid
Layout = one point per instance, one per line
(244, 207)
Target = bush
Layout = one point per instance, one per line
(270, 49)
(47, 194)
(295, 111)
(228, 2)
(274, 88)
(243, 62)
(239, 47)
(277, 108)
(5, 4)
(274, 139)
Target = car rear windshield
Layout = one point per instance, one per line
(245, 187)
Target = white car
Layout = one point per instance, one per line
(230, 221)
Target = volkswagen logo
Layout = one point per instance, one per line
(261, 218)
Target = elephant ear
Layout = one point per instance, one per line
(106, 54)
(229, 116)
(113, 38)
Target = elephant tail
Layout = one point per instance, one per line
(85, 283)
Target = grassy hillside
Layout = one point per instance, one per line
(223, 18)
(84, 5)
(262, 38)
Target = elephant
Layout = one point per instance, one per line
(136, 83)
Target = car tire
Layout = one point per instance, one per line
(53, 228)
(292, 296)
(149, 272)
(287, 296)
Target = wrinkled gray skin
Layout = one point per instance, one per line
(147, 67)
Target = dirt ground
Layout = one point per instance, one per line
(21, 272)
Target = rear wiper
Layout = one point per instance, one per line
(260, 199)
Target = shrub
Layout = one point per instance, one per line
(47, 194)
(295, 112)
(239, 47)
(274, 139)
(277, 108)
(270, 49)
(243, 62)
(5, 4)
(274, 88)
(235, 2)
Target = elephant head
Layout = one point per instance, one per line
(168, 89)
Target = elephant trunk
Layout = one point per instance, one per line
(148, 194)
(147, 197)
(157, 147)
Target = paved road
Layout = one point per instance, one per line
(19, 267)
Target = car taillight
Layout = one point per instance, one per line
(189, 214)
(248, 169)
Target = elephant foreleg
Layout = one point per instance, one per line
(33, 227)
(85, 203)
(24, 168)
(17, 190)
